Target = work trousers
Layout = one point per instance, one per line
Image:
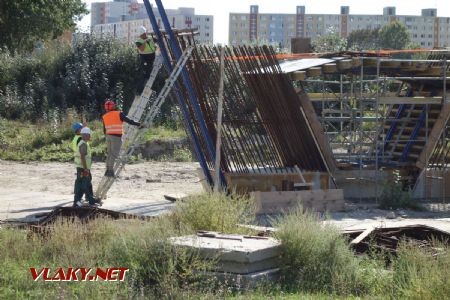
(113, 143)
(147, 61)
(83, 186)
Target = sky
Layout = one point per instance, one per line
(221, 9)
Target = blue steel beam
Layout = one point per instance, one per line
(187, 82)
(184, 109)
(393, 127)
(413, 136)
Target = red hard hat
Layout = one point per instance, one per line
(109, 105)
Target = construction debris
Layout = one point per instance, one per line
(388, 239)
(241, 260)
(85, 214)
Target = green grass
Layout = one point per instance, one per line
(316, 260)
(51, 140)
(157, 269)
(215, 212)
(163, 133)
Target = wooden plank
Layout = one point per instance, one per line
(345, 64)
(362, 236)
(370, 62)
(314, 72)
(329, 68)
(430, 71)
(298, 75)
(356, 62)
(317, 129)
(316, 200)
(389, 64)
(248, 182)
(434, 136)
(410, 100)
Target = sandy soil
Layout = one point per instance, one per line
(30, 189)
(27, 189)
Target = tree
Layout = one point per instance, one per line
(330, 42)
(363, 39)
(24, 22)
(394, 36)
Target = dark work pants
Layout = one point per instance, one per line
(147, 61)
(83, 186)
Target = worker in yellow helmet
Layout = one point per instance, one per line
(146, 48)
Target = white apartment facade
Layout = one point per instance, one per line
(121, 20)
(427, 30)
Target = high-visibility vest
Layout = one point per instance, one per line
(113, 123)
(149, 46)
(75, 143)
(88, 157)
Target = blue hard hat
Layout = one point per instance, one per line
(76, 126)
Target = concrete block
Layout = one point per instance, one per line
(235, 253)
(245, 281)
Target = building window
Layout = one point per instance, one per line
(233, 18)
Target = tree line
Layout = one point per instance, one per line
(392, 36)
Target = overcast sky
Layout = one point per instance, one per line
(221, 9)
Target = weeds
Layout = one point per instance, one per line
(422, 272)
(316, 257)
(156, 268)
(215, 212)
(316, 261)
(50, 139)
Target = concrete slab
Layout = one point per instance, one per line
(245, 281)
(235, 253)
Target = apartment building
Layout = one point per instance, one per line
(121, 20)
(427, 30)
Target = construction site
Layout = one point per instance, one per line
(331, 133)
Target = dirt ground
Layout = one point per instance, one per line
(29, 189)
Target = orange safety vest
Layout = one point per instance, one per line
(113, 124)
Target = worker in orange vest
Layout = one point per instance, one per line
(113, 127)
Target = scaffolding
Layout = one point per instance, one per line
(382, 114)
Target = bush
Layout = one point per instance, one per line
(215, 212)
(80, 77)
(394, 197)
(46, 140)
(316, 257)
(422, 272)
(157, 270)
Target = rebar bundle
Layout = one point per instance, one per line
(264, 126)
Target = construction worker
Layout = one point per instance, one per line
(76, 129)
(83, 162)
(146, 47)
(113, 127)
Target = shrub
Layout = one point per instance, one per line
(422, 272)
(215, 212)
(157, 270)
(316, 257)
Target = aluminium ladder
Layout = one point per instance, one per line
(134, 135)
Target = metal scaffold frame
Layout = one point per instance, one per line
(356, 101)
